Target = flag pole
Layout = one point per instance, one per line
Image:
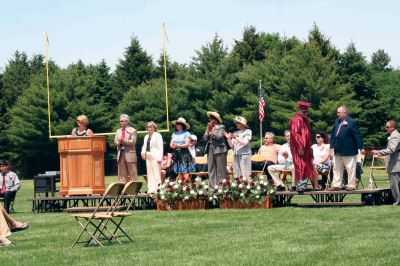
(48, 83)
(261, 139)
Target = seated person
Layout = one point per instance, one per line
(229, 162)
(322, 158)
(8, 225)
(82, 130)
(271, 149)
(166, 164)
(9, 184)
(285, 162)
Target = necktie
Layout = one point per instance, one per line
(340, 125)
(3, 187)
(123, 133)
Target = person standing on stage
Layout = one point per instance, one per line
(216, 149)
(125, 140)
(300, 146)
(82, 130)
(346, 140)
(240, 142)
(152, 153)
(392, 159)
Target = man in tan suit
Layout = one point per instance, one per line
(125, 140)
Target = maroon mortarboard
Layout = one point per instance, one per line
(303, 105)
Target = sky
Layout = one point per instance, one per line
(92, 30)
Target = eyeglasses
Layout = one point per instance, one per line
(388, 126)
(318, 137)
(121, 121)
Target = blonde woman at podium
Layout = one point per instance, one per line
(152, 153)
(125, 141)
(82, 130)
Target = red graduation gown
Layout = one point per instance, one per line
(300, 138)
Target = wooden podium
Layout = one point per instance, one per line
(82, 165)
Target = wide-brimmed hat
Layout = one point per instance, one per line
(214, 115)
(182, 121)
(241, 120)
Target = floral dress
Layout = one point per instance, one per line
(182, 159)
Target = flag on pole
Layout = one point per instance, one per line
(261, 105)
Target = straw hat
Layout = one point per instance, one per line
(241, 120)
(182, 121)
(214, 115)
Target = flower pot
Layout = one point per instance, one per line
(194, 204)
(180, 205)
(161, 206)
(223, 204)
(267, 204)
(203, 204)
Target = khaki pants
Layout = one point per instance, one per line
(153, 173)
(275, 169)
(4, 228)
(127, 171)
(344, 162)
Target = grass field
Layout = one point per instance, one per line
(283, 236)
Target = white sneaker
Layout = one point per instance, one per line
(5, 242)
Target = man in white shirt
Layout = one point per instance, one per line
(9, 184)
(285, 162)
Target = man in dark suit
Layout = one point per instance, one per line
(392, 159)
(346, 140)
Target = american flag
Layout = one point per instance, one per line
(261, 105)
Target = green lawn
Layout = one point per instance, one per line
(284, 236)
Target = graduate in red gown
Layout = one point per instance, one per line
(300, 146)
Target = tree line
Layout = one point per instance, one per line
(217, 78)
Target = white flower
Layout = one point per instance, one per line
(171, 183)
(223, 181)
(216, 187)
(261, 182)
(258, 196)
(248, 187)
(162, 192)
(179, 181)
(240, 186)
(214, 196)
(175, 186)
(220, 190)
(203, 183)
(162, 197)
(258, 188)
(242, 195)
(198, 179)
(192, 192)
(234, 184)
(271, 191)
(244, 178)
(205, 186)
(186, 197)
(210, 198)
(201, 192)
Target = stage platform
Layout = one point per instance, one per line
(282, 199)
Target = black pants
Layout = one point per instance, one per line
(8, 196)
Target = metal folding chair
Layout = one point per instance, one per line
(374, 167)
(259, 158)
(93, 223)
(131, 189)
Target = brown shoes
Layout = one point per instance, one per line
(333, 189)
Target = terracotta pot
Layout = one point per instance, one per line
(161, 206)
(223, 204)
(194, 204)
(267, 204)
(203, 204)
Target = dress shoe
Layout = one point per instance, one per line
(350, 189)
(280, 188)
(333, 189)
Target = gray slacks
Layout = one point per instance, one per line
(216, 167)
(394, 179)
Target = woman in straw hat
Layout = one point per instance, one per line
(215, 149)
(240, 142)
(180, 142)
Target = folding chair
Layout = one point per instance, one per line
(131, 189)
(259, 158)
(374, 167)
(92, 223)
(200, 161)
(358, 180)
